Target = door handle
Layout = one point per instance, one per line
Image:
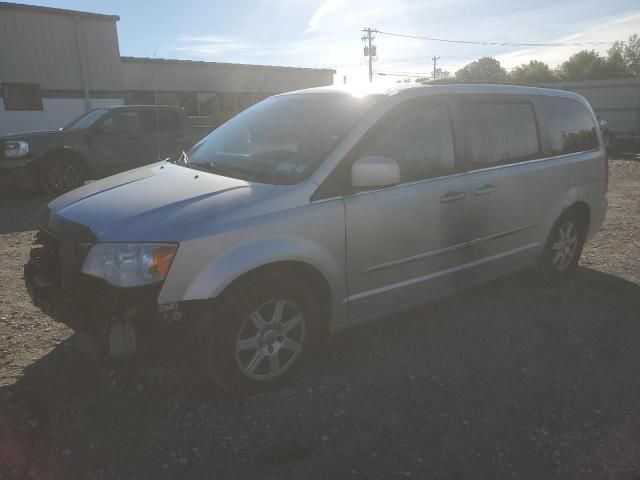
(452, 197)
(486, 189)
(134, 137)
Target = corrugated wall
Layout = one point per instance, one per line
(41, 48)
(184, 76)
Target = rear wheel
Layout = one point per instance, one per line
(564, 246)
(61, 173)
(258, 341)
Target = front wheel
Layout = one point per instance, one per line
(260, 339)
(564, 247)
(60, 174)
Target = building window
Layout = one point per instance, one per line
(22, 96)
(243, 101)
(207, 104)
(228, 102)
(167, 98)
(140, 98)
(188, 101)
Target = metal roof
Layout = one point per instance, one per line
(58, 11)
(222, 64)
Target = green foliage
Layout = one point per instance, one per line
(631, 55)
(622, 60)
(486, 69)
(589, 65)
(532, 72)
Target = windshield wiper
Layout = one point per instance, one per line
(227, 173)
(211, 167)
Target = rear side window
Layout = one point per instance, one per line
(499, 130)
(416, 134)
(571, 127)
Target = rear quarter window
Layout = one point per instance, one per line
(571, 126)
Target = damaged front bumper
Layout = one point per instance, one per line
(120, 320)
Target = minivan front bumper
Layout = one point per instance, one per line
(120, 320)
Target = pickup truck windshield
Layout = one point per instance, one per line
(280, 140)
(86, 120)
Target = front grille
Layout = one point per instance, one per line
(61, 260)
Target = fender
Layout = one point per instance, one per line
(225, 269)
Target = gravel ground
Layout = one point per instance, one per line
(517, 379)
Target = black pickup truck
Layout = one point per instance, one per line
(99, 143)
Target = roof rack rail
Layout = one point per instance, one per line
(451, 81)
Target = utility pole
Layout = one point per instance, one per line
(435, 59)
(369, 49)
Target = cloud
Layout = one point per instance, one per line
(609, 31)
(328, 7)
(206, 45)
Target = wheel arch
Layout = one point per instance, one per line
(583, 211)
(64, 151)
(311, 276)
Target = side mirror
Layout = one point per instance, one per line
(98, 130)
(373, 171)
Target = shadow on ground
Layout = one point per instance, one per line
(19, 212)
(516, 379)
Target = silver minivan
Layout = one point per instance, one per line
(317, 210)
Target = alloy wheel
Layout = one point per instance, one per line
(565, 247)
(270, 339)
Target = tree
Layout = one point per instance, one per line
(589, 65)
(486, 69)
(631, 55)
(532, 72)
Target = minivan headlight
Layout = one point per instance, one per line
(130, 264)
(13, 149)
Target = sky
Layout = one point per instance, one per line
(327, 33)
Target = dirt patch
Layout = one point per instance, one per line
(516, 379)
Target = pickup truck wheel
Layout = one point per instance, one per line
(564, 247)
(261, 338)
(60, 174)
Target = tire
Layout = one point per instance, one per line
(564, 247)
(59, 174)
(261, 337)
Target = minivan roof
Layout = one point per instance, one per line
(468, 88)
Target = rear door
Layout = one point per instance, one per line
(406, 242)
(507, 183)
(122, 141)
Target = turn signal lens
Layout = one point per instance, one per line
(161, 260)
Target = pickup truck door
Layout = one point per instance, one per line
(172, 138)
(121, 142)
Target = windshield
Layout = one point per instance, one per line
(281, 140)
(86, 120)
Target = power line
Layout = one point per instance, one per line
(501, 44)
(403, 74)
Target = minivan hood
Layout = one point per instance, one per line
(157, 202)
